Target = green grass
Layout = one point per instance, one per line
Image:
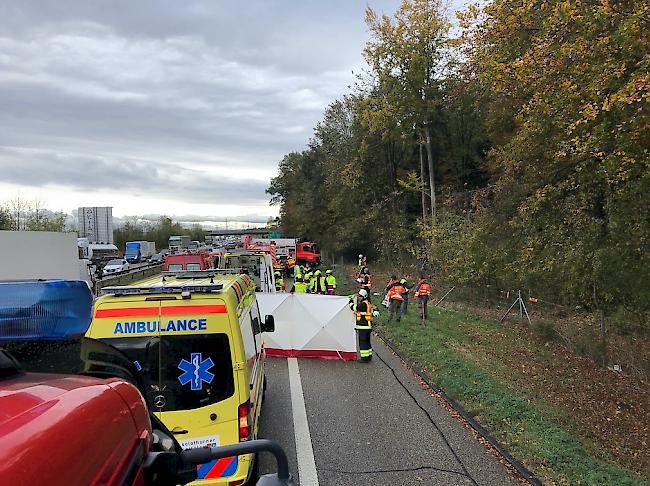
(537, 433)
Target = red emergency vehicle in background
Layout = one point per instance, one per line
(307, 252)
(300, 252)
(176, 262)
(69, 429)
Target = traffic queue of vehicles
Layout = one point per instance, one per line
(174, 363)
(173, 387)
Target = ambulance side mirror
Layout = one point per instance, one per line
(269, 324)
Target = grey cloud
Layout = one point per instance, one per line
(199, 86)
(126, 176)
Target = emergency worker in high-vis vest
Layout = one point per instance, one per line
(422, 293)
(395, 296)
(362, 308)
(279, 282)
(309, 275)
(330, 282)
(318, 283)
(299, 286)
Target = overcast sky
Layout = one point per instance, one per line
(167, 106)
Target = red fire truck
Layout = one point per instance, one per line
(90, 425)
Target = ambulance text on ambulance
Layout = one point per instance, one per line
(178, 325)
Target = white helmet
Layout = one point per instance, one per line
(360, 255)
(363, 293)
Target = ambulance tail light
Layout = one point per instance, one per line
(244, 421)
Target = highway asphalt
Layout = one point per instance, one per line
(368, 424)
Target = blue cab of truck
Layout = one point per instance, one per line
(133, 251)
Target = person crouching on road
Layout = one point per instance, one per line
(362, 308)
(330, 282)
(396, 298)
(299, 286)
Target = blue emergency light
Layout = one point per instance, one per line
(47, 309)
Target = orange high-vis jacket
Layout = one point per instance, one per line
(396, 291)
(423, 289)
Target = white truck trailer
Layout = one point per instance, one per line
(139, 251)
(179, 243)
(98, 253)
(28, 255)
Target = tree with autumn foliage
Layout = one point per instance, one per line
(407, 56)
(569, 108)
(536, 129)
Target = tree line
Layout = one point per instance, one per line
(515, 153)
(158, 232)
(23, 215)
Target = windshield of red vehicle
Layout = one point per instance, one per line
(167, 366)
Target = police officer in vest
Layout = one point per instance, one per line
(363, 312)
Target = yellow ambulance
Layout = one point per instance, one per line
(196, 339)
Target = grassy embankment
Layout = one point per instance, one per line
(464, 355)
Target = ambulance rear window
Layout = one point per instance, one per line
(181, 372)
(175, 267)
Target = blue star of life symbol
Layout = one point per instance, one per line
(196, 371)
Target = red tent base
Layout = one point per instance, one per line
(312, 353)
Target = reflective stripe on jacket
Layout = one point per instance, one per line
(364, 316)
(423, 289)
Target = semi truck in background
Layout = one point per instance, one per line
(139, 251)
(31, 255)
(178, 243)
(98, 253)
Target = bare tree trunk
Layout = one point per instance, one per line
(423, 174)
(432, 182)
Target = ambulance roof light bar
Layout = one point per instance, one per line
(167, 289)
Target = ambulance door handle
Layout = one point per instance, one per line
(179, 431)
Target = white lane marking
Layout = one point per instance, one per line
(304, 451)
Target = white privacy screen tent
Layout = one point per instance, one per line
(309, 326)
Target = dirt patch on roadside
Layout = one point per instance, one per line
(611, 409)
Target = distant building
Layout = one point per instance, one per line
(96, 224)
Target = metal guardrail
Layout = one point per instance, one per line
(129, 276)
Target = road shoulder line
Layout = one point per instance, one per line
(304, 452)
